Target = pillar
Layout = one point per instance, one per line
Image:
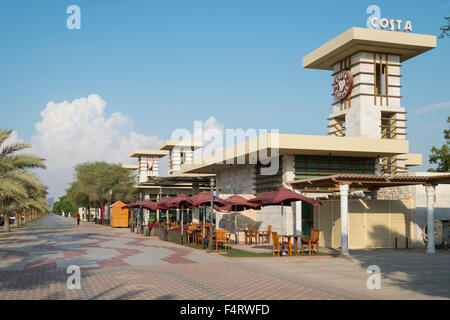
(343, 189)
(212, 183)
(195, 212)
(158, 197)
(297, 206)
(430, 218)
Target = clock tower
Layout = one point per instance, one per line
(366, 70)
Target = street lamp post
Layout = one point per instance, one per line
(212, 182)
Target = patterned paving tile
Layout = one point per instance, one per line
(116, 264)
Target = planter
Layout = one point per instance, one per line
(154, 232)
(175, 236)
(162, 233)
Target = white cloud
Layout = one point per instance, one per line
(79, 131)
(13, 138)
(212, 123)
(431, 108)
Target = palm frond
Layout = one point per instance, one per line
(15, 147)
(22, 161)
(4, 134)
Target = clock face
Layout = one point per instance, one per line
(343, 84)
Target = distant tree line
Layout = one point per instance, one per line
(97, 184)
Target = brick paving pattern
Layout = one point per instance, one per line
(116, 264)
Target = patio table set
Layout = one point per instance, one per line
(288, 241)
(205, 233)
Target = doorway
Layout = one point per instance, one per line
(307, 219)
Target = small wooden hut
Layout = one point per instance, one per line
(119, 215)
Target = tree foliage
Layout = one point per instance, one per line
(99, 183)
(65, 205)
(441, 156)
(445, 29)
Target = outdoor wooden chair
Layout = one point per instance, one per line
(199, 238)
(190, 232)
(221, 236)
(277, 243)
(265, 235)
(314, 240)
(252, 233)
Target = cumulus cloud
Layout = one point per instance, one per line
(13, 138)
(433, 107)
(212, 123)
(73, 132)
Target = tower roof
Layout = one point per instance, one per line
(170, 144)
(407, 45)
(154, 153)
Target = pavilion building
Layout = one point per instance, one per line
(366, 139)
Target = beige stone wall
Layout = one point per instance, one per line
(372, 223)
(236, 179)
(396, 193)
(418, 195)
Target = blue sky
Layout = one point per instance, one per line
(164, 64)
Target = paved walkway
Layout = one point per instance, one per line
(116, 264)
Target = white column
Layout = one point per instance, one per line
(343, 189)
(430, 219)
(297, 208)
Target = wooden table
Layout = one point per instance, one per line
(295, 237)
(246, 233)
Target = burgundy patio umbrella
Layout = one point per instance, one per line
(238, 203)
(136, 204)
(147, 204)
(163, 204)
(203, 199)
(180, 202)
(281, 196)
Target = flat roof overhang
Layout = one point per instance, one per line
(251, 151)
(413, 159)
(153, 153)
(130, 166)
(180, 180)
(170, 144)
(184, 178)
(163, 187)
(369, 181)
(407, 45)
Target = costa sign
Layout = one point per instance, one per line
(391, 25)
(343, 84)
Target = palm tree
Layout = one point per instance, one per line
(18, 186)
